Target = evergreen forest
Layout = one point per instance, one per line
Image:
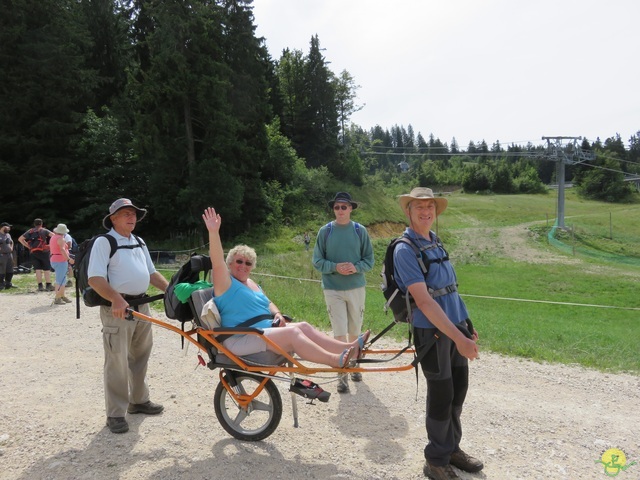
(178, 105)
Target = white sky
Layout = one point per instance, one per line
(507, 70)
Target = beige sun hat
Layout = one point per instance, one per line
(423, 193)
(61, 229)
(119, 204)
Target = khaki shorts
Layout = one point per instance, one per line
(346, 311)
(246, 344)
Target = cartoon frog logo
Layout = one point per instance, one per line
(614, 461)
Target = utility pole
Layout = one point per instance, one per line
(569, 154)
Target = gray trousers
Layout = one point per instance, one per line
(447, 374)
(127, 347)
(6, 269)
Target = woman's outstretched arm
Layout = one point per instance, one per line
(219, 271)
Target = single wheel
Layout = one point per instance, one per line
(262, 416)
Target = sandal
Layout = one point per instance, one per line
(346, 357)
(363, 338)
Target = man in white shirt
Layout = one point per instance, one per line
(121, 278)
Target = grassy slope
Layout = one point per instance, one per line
(604, 338)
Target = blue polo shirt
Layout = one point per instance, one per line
(407, 271)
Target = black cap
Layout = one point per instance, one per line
(343, 197)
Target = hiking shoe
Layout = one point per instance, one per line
(439, 473)
(148, 408)
(50, 288)
(66, 299)
(308, 389)
(343, 384)
(117, 424)
(465, 462)
(40, 288)
(69, 283)
(59, 301)
(356, 376)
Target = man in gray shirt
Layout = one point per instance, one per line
(6, 256)
(120, 279)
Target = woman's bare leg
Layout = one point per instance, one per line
(323, 340)
(295, 340)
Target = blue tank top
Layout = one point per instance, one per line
(240, 303)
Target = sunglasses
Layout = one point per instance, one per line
(247, 263)
(340, 207)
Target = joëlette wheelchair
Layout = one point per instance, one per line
(247, 402)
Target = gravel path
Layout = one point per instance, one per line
(525, 420)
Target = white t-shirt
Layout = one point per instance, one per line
(129, 269)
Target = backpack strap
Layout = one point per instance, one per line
(443, 291)
(329, 229)
(113, 244)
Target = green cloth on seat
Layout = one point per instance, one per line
(183, 291)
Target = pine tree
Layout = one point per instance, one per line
(46, 85)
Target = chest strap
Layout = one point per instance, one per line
(443, 291)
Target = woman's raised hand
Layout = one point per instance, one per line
(211, 219)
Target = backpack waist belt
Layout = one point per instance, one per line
(443, 291)
(136, 300)
(131, 297)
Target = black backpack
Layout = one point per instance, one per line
(90, 297)
(38, 240)
(188, 273)
(401, 303)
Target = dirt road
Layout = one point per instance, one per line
(525, 420)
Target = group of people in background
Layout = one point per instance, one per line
(342, 253)
(49, 251)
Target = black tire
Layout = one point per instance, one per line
(263, 415)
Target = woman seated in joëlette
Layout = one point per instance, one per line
(239, 298)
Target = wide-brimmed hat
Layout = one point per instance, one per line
(423, 193)
(118, 205)
(345, 198)
(61, 229)
(5, 224)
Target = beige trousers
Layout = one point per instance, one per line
(127, 347)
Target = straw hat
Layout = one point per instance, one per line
(423, 193)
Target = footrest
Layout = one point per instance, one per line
(308, 389)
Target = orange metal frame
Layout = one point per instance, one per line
(294, 364)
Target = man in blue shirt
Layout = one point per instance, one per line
(343, 253)
(439, 318)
